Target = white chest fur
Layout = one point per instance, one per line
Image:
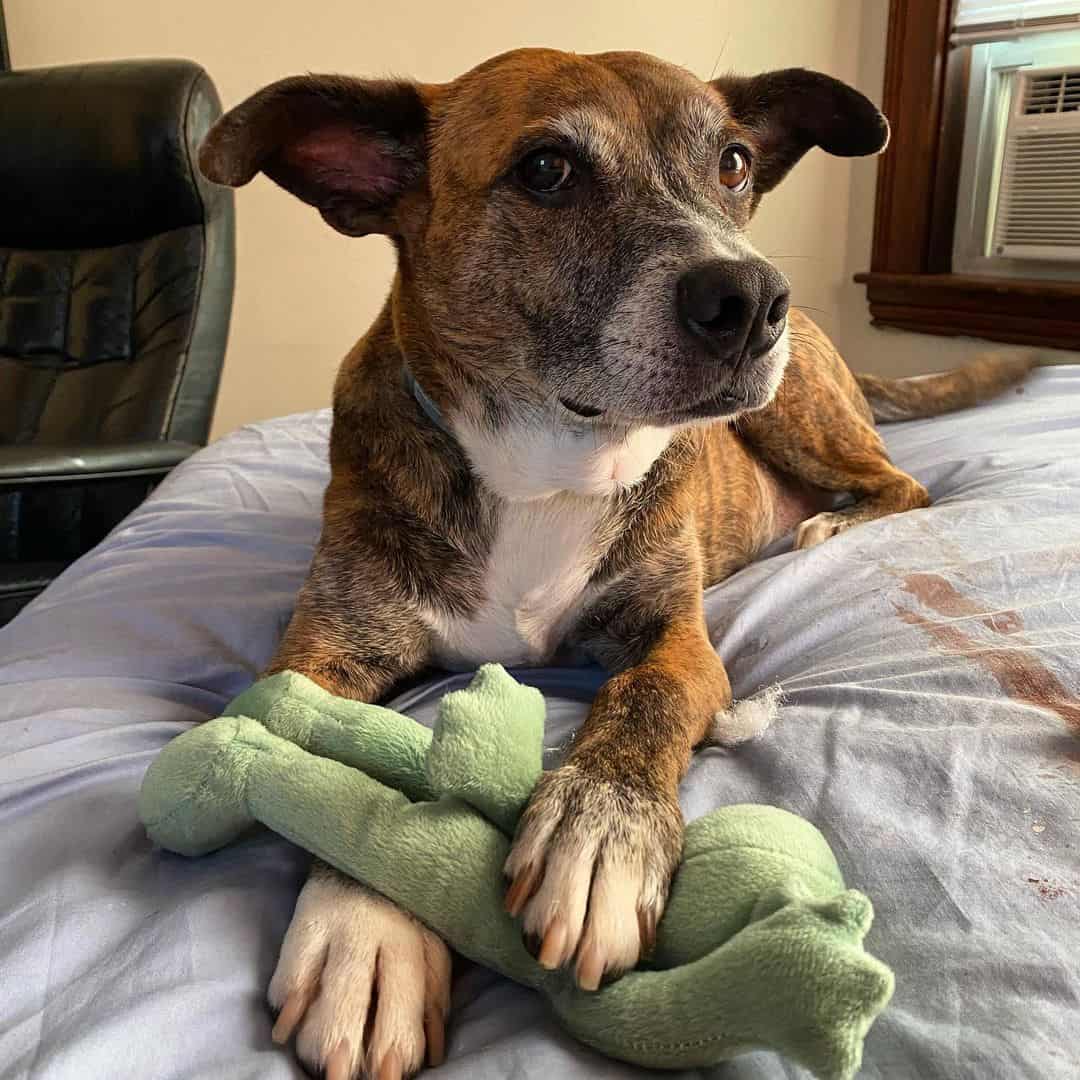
(540, 457)
(536, 583)
(553, 485)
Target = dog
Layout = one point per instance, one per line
(586, 399)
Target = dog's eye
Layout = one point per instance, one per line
(545, 172)
(735, 168)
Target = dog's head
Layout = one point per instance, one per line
(571, 229)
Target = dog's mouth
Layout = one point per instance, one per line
(714, 405)
(745, 386)
(586, 412)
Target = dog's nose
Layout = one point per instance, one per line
(733, 306)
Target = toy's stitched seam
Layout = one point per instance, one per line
(693, 1044)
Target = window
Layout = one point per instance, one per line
(977, 227)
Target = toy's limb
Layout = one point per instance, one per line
(489, 744)
(388, 746)
(731, 858)
(212, 783)
(796, 981)
(193, 798)
(201, 792)
(440, 860)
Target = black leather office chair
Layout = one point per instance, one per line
(116, 283)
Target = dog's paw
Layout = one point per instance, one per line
(363, 985)
(590, 870)
(820, 527)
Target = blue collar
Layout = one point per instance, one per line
(431, 410)
(434, 413)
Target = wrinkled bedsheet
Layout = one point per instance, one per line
(931, 667)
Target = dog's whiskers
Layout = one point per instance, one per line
(807, 307)
(719, 56)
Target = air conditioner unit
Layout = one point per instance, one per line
(1038, 201)
(1018, 206)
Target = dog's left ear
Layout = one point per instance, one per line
(788, 112)
(349, 147)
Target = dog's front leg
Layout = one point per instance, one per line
(363, 986)
(602, 835)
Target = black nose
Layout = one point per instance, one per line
(733, 307)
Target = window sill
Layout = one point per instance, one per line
(1016, 310)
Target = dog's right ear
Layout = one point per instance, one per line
(348, 147)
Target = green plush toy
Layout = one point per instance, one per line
(760, 945)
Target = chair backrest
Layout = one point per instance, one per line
(116, 256)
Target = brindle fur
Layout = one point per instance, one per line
(498, 301)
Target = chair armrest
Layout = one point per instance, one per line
(23, 465)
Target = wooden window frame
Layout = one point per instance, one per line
(5, 58)
(909, 284)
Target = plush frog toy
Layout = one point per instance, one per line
(760, 945)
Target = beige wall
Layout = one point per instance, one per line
(304, 293)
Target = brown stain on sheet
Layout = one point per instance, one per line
(943, 597)
(1020, 674)
(1047, 889)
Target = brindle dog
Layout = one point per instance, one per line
(585, 400)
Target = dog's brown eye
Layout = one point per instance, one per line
(735, 168)
(545, 172)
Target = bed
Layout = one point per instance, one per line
(931, 728)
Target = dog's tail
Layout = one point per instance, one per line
(930, 395)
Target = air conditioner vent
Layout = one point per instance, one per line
(1038, 204)
(1052, 92)
(1018, 199)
